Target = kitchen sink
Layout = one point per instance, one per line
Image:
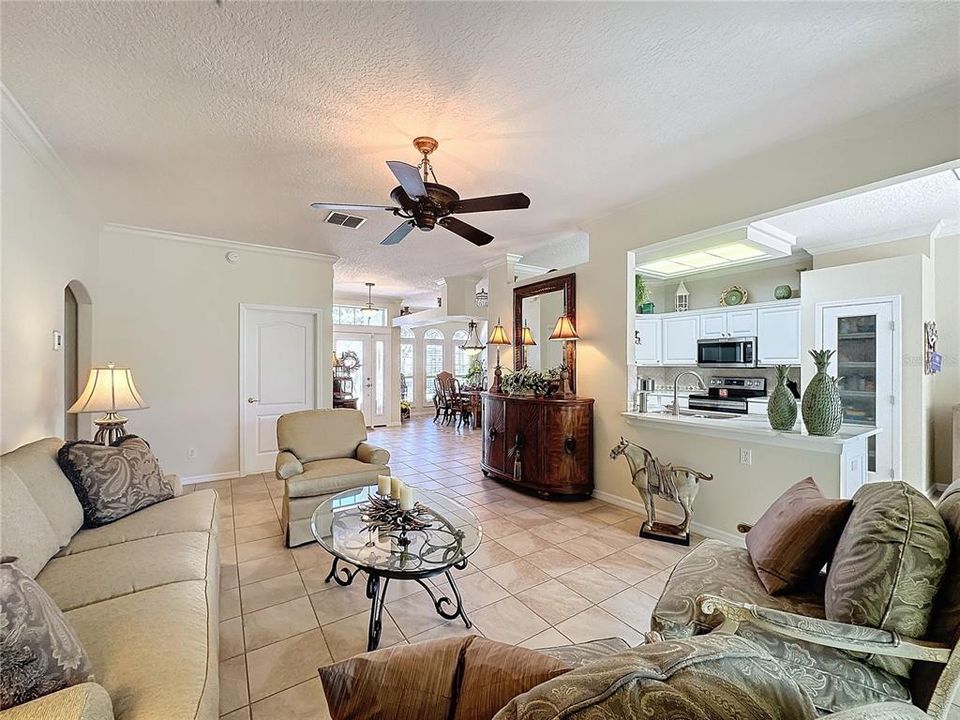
(707, 414)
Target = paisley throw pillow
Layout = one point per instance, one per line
(113, 481)
(41, 653)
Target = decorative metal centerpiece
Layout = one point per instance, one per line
(383, 513)
(651, 477)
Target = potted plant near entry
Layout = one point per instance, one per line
(642, 296)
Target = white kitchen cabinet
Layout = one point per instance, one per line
(728, 323)
(679, 339)
(713, 325)
(646, 341)
(778, 335)
(742, 323)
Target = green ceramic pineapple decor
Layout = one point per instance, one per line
(821, 406)
(782, 407)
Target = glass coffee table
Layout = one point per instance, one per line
(451, 535)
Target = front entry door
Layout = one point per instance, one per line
(371, 386)
(279, 353)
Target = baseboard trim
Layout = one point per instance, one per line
(194, 479)
(636, 506)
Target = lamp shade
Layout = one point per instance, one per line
(473, 343)
(527, 337)
(109, 389)
(499, 335)
(564, 330)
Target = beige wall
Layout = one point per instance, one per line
(945, 386)
(871, 149)
(49, 239)
(170, 310)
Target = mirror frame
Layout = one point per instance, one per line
(568, 285)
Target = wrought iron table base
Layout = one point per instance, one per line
(377, 592)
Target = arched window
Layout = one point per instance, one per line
(461, 362)
(432, 361)
(406, 364)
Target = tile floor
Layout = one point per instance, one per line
(547, 573)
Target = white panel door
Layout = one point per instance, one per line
(680, 335)
(279, 354)
(778, 335)
(646, 341)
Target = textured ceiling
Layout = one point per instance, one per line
(229, 120)
(909, 209)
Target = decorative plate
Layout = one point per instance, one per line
(733, 295)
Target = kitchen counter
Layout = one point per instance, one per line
(755, 429)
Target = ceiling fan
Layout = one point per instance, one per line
(426, 204)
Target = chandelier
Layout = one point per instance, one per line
(483, 297)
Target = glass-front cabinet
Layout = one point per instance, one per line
(863, 336)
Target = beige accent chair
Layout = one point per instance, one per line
(322, 452)
(142, 593)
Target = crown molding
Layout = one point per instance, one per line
(505, 259)
(26, 132)
(943, 227)
(219, 243)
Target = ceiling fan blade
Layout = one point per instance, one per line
(468, 232)
(399, 234)
(512, 201)
(409, 178)
(349, 207)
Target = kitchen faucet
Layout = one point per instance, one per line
(676, 382)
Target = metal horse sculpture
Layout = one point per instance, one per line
(676, 483)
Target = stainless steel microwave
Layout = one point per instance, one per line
(727, 352)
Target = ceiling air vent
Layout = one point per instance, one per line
(350, 221)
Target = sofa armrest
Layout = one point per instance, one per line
(288, 465)
(86, 701)
(843, 636)
(881, 711)
(175, 483)
(372, 454)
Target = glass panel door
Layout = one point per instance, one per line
(863, 337)
(369, 382)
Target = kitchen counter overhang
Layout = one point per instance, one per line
(755, 429)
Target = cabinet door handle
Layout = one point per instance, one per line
(636, 337)
(492, 434)
(570, 445)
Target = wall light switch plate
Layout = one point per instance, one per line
(746, 456)
(57, 340)
(191, 453)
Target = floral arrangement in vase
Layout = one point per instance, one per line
(525, 382)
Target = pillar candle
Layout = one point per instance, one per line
(383, 485)
(406, 498)
(396, 484)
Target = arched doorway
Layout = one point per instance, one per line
(77, 348)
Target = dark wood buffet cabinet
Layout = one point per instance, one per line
(540, 444)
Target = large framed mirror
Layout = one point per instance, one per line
(537, 307)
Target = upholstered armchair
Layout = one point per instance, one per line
(854, 671)
(322, 452)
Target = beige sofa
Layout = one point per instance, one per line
(322, 452)
(142, 593)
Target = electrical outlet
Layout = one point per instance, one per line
(191, 453)
(746, 456)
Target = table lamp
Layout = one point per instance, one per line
(109, 389)
(564, 330)
(498, 337)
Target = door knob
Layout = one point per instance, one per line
(252, 400)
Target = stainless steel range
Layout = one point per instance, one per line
(729, 394)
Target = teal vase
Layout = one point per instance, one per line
(782, 406)
(821, 406)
